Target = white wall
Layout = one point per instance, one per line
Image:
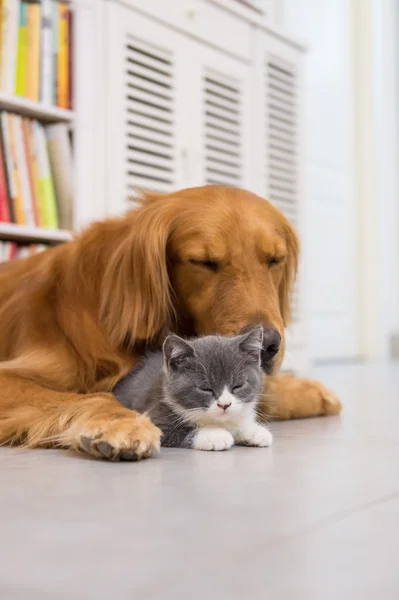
(332, 224)
(353, 162)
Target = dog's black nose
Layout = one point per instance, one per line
(271, 343)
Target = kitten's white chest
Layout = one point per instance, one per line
(229, 420)
(227, 411)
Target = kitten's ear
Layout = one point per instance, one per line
(176, 351)
(250, 343)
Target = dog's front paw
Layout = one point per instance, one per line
(129, 438)
(209, 438)
(254, 434)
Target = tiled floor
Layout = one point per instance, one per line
(316, 517)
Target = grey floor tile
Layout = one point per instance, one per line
(314, 517)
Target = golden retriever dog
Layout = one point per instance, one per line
(77, 318)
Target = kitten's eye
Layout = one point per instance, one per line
(211, 265)
(206, 391)
(237, 388)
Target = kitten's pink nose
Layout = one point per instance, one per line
(223, 405)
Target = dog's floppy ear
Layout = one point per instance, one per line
(137, 302)
(290, 272)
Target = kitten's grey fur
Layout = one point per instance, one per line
(201, 393)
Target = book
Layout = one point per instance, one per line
(32, 172)
(5, 215)
(63, 60)
(36, 53)
(46, 185)
(70, 59)
(23, 252)
(46, 53)
(8, 165)
(5, 159)
(33, 51)
(20, 87)
(2, 22)
(5, 248)
(13, 174)
(8, 45)
(35, 171)
(60, 155)
(55, 41)
(39, 248)
(22, 167)
(12, 250)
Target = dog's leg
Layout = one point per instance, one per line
(36, 416)
(289, 397)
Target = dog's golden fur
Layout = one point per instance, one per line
(76, 318)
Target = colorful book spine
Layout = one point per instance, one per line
(20, 217)
(46, 58)
(38, 179)
(12, 250)
(46, 185)
(63, 60)
(41, 222)
(8, 164)
(60, 155)
(2, 26)
(9, 45)
(33, 185)
(55, 42)
(33, 51)
(5, 214)
(20, 88)
(5, 162)
(70, 59)
(8, 251)
(23, 171)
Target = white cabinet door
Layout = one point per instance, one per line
(178, 110)
(145, 106)
(278, 158)
(218, 131)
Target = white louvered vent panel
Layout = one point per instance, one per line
(150, 116)
(282, 139)
(223, 135)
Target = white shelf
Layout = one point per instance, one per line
(35, 110)
(35, 235)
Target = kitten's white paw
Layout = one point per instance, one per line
(254, 434)
(209, 438)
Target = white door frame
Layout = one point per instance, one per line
(376, 111)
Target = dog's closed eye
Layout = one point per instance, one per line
(211, 265)
(274, 260)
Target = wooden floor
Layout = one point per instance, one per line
(314, 517)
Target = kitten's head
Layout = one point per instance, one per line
(214, 380)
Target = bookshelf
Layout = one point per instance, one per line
(37, 186)
(10, 232)
(35, 110)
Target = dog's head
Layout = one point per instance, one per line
(208, 260)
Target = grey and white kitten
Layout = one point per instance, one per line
(202, 393)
